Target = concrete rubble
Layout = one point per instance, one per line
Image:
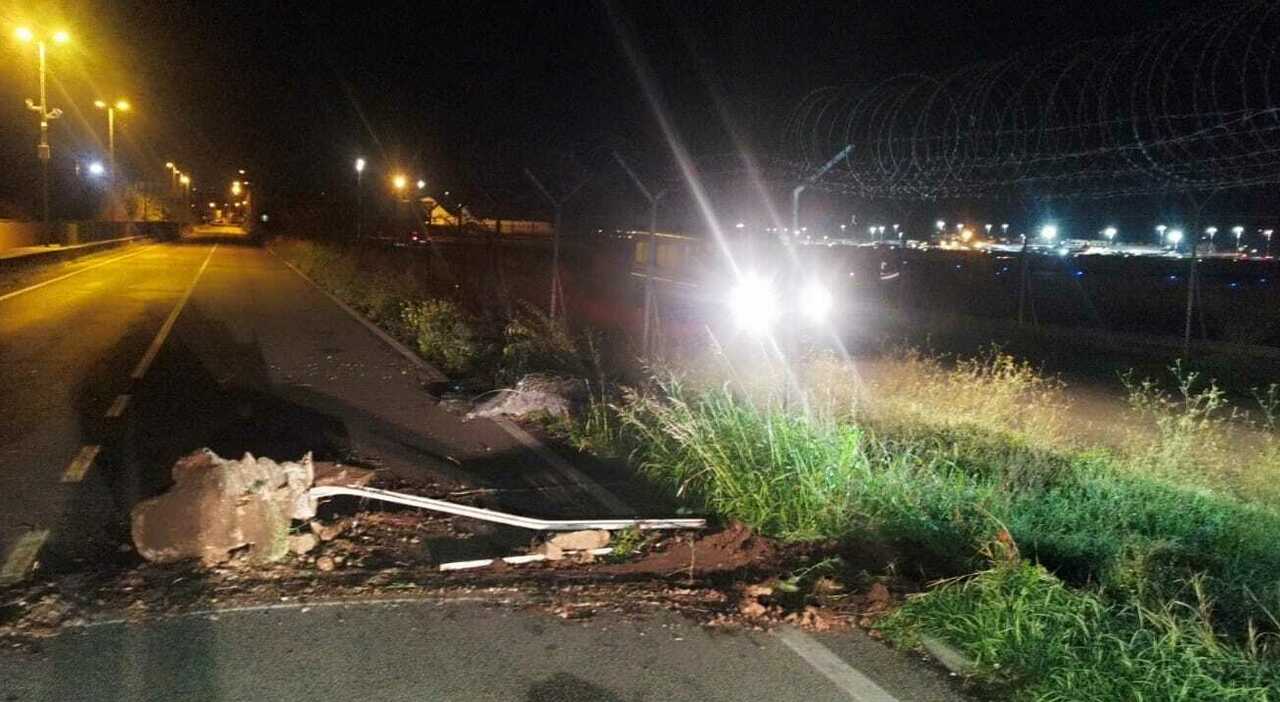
(534, 394)
(218, 506)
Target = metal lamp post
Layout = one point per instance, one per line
(42, 149)
(123, 106)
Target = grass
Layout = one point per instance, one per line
(1123, 534)
(496, 349)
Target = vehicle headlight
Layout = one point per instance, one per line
(754, 303)
(816, 302)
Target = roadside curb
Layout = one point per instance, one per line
(562, 466)
(64, 253)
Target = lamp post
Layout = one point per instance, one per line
(1160, 230)
(123, 106)
(25, 35)
(359, 198)
(185, 181)
(1239, 232)
(1266, 234)
(1212, 232)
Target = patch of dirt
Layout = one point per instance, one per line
(734, 548)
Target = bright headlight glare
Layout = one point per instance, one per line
(753, 303)
(816, 302)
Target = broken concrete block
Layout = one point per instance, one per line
(217, 506)
(534, 394)
(302, 543)
(342, 476)
(580, 540)
(328, 532)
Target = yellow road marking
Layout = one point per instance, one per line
(22, 555)
(147, 358)
(81, 464)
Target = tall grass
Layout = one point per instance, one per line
(1134, 542)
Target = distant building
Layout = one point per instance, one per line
(438, 216)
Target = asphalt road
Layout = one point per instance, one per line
(111, 374)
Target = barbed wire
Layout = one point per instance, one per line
(1187, 105)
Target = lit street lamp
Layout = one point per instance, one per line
(26, 35)
(1110, 233)
(123, 106)
(1049, 232)
(359, 197)
(1266, 234)
(1175, 238)
(1160, 230)
(1239, 232)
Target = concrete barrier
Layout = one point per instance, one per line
(15, 235)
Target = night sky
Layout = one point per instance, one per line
(468, 94)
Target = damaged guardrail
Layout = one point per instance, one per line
(497, 517)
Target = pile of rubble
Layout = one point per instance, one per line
(218, 507)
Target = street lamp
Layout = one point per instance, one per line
(1239, 232)
(1175, 238)
(1160, 230)
(1266, 234)
(1049, 232)
(185, 180)
(236, 188)
(422, 184)
(96, 169)
(123, 106)
(359, 197)
(940, 224)
(26, 35)
(1110, 233)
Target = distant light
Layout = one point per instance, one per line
(940, 224)
(1109, 232)
(213, 205)
(61, 37)
(966, 235)
(241, 171)
(359, 165)
(1049, 232)
(421, 184)
(1211, 231)
(871, 230)
(265, 218)
(24, 34)
(987, 227)
(169, 165)
(399, 182)
(235, 187)
(96, 168)
(1237, 231)
(1160, 228)
(122, 105)
(100, 104)
(1004, 227)
(185, 179)
(1175, 236)
(739, 225)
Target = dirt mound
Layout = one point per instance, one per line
(734, 548)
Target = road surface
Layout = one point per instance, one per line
(112, 373)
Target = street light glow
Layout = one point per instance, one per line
(359, 165)
(61, 37)
(1109, 232)
(1049, 232)
(421, 184)
(1175, 237)
(96, 168)
(24, 34)
(185, 179)
(940, 224)
(122, 105)
(399, 182)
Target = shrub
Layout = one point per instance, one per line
(442, 334)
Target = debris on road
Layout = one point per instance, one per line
(489, 515)
(217, 506)
(327, 473)
(534, 394)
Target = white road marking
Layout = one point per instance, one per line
(81, 464)
(118, 407)
(575, 476)
(22, 555)
(150, 356)
(854, 684)
(50, 281)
